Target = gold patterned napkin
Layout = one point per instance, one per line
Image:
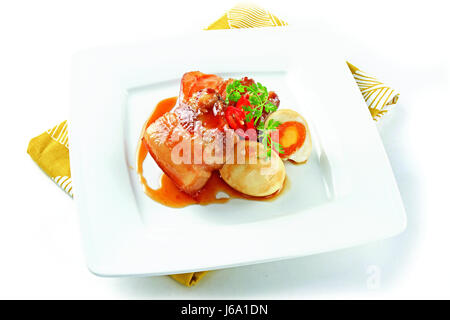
(50, 150)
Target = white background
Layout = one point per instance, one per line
(404, 43)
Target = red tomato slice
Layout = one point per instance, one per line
(243, 101)
(244, 126)
(251, 124)
(235, 118)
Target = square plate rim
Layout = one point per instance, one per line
(105, 265)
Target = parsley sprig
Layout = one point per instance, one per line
(266, 137)
(234, 91)
(259, 102)
(258, 98)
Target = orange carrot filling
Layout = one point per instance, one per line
(291, 136)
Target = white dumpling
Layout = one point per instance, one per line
(257, 175)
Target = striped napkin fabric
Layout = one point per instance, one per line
(50, 150)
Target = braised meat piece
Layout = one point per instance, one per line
(194, 81)
(188, 142)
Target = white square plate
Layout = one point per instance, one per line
(345, 195)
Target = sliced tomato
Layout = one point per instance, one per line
(243, 101)
(235, 118)
(239, 111)
(251, 124)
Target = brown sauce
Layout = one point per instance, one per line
(169, 194)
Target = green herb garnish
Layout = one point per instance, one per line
(258, 97)
(259, 102)
(234, 91)
(266, 138)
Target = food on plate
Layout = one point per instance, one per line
(293, 133)
(168, 138)
(258, 175)
(195, 81)
(198, 138)
(249, 104)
